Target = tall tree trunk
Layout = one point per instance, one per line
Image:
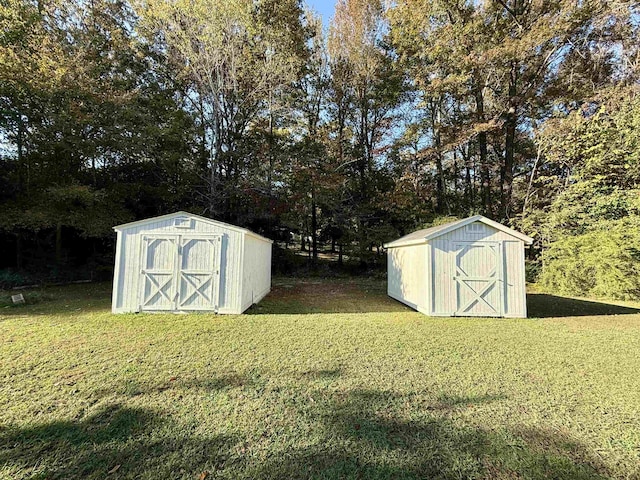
(510, 142)
(24, 162)
(19, 257)
(362, 170)
(215, 165)
(469, 187)
(485, 187)
(530, 185)
(19, 144)
(213, 174)
(314, 226)
(362, 241)
(468, 179)
(271, 158)
(204, 154)
(455, 170)
(342, 118)
(58, 244)
(341, 138)
(439, 184)
(440, 200)
(362, 152)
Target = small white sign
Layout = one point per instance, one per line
(19, 298)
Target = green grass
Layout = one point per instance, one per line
(324, 379)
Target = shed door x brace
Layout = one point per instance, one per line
(478, 278)
(180, 272)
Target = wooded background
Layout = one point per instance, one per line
(396, 117)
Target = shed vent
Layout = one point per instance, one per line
(475, 228)
(183, 222)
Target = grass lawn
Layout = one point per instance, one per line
(324, 379)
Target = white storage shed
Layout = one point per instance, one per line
(471, 267)
(185, 262)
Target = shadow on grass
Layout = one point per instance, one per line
(214, 384)
(322, 374)
(364, 437)
(448, 402)
(541, 305)
(117, 442)
(358, 434)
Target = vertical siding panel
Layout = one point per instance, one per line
(122, 283)
(116, 297)
(393, 272)
(449, 289)
(515, 281)
(427, 287)
(510, 280)
(131, 254)
(134, 264)
(442, 274)
(421, 277)
(522, 277)
(256, 279)
(436, 282)
(126, 274)
(406, 280)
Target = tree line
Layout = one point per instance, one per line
(250, 111)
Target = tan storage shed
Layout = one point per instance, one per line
(471, 267)
(184, 262)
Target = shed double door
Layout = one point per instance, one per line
(180, 272)
(478, 278)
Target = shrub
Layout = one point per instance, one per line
(10, 278)
(532, 270)
(600, 264)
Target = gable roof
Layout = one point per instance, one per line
(426, 234)
(196, 217)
